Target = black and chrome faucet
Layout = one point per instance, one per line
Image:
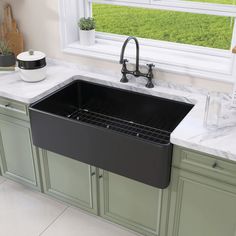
(136, 72)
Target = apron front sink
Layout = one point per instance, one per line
(127, 133)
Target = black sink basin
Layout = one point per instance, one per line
(124, 132)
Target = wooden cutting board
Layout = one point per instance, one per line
(10, 33)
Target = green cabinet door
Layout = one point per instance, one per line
(18, 156)
(201, 206)
(69, 180)
(132, 204)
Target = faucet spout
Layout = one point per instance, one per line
(137, 51)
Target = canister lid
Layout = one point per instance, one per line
(31, 55)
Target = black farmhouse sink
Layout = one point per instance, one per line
(124, 132)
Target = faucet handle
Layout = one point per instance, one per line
(150, 76)
(125, 61)
(124, 67)
(124, 71)
(151, 65)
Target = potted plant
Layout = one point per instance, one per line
(87, 31)
(7, 57)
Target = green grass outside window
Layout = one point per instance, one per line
(188, 28)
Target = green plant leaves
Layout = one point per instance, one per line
(87, 23)
(4, 48)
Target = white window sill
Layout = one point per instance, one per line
(195, 61)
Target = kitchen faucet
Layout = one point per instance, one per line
(136, 72)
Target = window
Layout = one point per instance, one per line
(192, 36)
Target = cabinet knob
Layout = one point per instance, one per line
(93, 173)
(216, 166)
(100, 176)
(8, 105)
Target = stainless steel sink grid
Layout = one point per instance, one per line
(122, 126)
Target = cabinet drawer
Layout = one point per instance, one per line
(204, 164)
(13, 108)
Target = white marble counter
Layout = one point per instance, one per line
(220, 142)
(190, 133)
(11, 85)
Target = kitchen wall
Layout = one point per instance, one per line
(1, 9)
(39, 22)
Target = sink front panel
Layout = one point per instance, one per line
(121, 154)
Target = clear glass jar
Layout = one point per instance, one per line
(213, 110)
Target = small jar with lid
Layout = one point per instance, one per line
(32, 66)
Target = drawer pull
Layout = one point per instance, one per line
(8, 105)
(216, 166)
(100, 176)
(93, 173)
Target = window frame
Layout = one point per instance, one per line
(182, 6)
(70, 11)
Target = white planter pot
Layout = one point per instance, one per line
(87, 37)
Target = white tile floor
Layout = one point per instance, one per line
(24, 212)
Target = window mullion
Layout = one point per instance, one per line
(81, 8)
(84, 8)
(234, 67)
(87, 8)
(233, 42)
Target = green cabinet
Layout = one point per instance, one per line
(18, 157)
(202, 205)
(129, 203)
(132, 204)
(200, 201)
(69, 180)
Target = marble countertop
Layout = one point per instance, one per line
(190, 133)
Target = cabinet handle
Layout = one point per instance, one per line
(8, 105)
(93, 173)
(100, 176)
(216, 166)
